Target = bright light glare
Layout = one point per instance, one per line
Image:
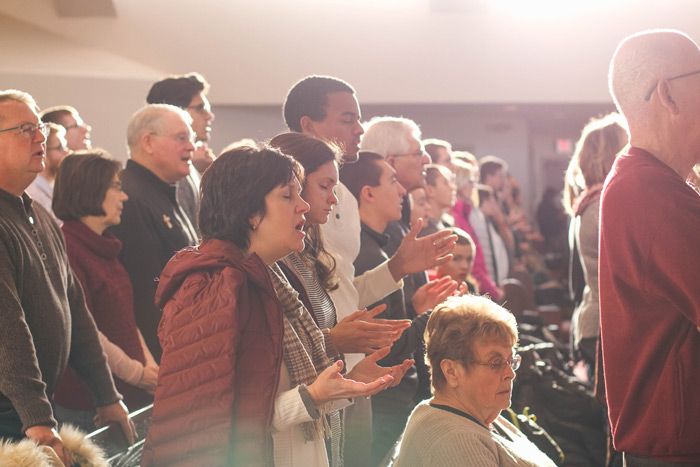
(548, 8)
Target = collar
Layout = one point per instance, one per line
(381, 238)
(146, 177)
(22, 204)
(105, 246)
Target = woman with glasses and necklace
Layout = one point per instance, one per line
(470, 345)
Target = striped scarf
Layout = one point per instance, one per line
(304, 349)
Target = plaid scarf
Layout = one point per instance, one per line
(304, 349)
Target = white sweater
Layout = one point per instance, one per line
(437, 438)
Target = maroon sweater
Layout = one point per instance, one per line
(108, 295)
(650, 307)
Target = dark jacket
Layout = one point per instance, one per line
(221, 335)
(152, 229)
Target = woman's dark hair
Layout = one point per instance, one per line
(234, 187)
(312, 153)
(81, 184)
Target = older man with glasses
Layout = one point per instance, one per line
(154, 225)
(650, 219)
(44, 323)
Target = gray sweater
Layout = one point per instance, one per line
(437, 438)
(44, 323)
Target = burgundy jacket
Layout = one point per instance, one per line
(221, 334)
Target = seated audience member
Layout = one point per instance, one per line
(440, 151)
(189, 92)
(471, 351)
(441, 194)
(44, 323)
(233, 327)
(600, 142)
(88, 199)
(483, 221)
(419, 204)
(467, 202)
(379, 195)
(77, 131)
(41, 189)
(154, 226)
(460, 267)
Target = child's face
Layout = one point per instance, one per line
(460, 267)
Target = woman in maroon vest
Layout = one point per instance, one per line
(88, 198)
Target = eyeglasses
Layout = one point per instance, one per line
(499, 364)
(182, 138)
(684, 75)
(29, 129)
(200, 108)
(116, 185)
(419, 154)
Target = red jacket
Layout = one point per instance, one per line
(649, 309)
(221, 334)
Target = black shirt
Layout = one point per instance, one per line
(153, 228)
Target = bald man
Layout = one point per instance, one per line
(649, 255)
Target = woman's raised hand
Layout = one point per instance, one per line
(331, 385)
(362, 332)
(368, 368)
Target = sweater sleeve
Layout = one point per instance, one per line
(124, 367)
(86, 355)
(20, 377)
(289, 410)
(375, 284)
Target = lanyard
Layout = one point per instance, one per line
(447, 408)
(471, 418)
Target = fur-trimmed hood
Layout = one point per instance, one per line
(26, 453)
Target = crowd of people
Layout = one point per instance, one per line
(338, 294)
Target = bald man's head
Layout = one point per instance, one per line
(642, 61)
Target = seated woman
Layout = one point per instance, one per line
(245, 378)
(88, 199)
(470, 347)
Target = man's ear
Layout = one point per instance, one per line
(366, 194)
(307, 125)
(146, 142)
(664, 92)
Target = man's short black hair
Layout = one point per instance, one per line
(490, 165)
(177, 90)
(309, 97)
(365, 172)
(81, 184)
(234, 188)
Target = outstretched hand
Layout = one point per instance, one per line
(362, 332)
(418, 254)
(331, 385)
(368, 368)
(431, 294)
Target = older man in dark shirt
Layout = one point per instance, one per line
(44, 323)
(154, 225)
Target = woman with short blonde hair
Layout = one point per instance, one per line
(470, 347)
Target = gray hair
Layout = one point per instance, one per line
(389, 135)
(18, 96)
(149, 119)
